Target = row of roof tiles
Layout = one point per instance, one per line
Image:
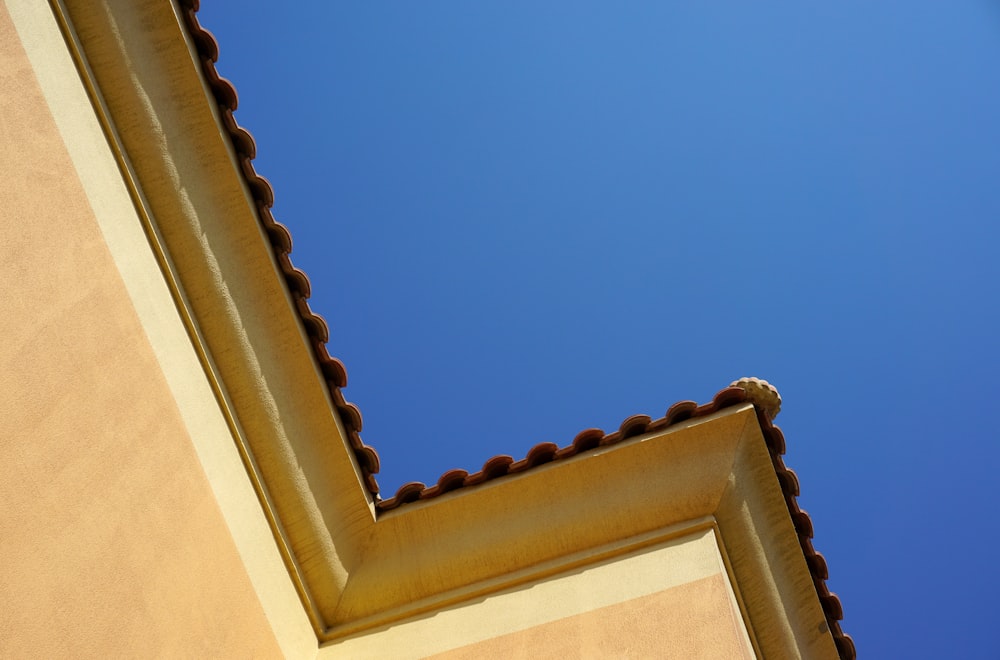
(281, 241)
(636, 425)
(498, 466)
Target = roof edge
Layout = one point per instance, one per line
(299, 286)
(497, 467)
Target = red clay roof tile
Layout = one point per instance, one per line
(281, 241)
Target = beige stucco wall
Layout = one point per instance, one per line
(692, 621)
(112, 542)
(671, 598)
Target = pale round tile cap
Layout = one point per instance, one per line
(762, 394)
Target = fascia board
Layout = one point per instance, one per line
(714, 471)
(429, 552)
(163, 124)
(768, 568)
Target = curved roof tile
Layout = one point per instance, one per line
(281, 240)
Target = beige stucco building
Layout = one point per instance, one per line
(182, 477)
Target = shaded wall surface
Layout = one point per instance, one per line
(686, 622)
(111, 540)
(671, 599)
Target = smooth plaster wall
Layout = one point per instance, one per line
(111, 541)
(692, 621)
(671, 598)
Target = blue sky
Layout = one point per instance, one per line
(523, 219)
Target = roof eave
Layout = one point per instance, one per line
(169, 117)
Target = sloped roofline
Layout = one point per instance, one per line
(501, 465)
(320, 535)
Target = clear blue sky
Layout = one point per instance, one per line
(522, 219)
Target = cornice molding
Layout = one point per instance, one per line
(355, 569)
